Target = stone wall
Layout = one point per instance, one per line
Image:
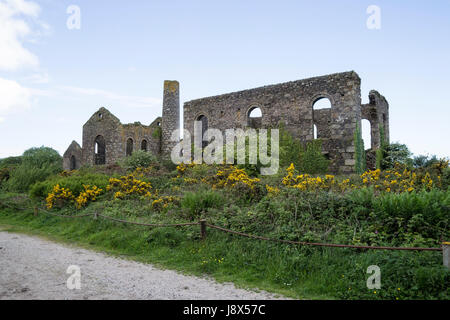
(72, 158)
(292, 103)
(102, 124)
(138, 133)
(377, 112)
(115, 135)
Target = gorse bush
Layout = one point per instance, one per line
(37, 164)
(74, 182)
(139, 159)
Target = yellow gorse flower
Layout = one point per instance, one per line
(397, 180)
(58, 194)
(232, 176)
(128, 186)
(90, 193)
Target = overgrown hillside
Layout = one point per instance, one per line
(401, 206)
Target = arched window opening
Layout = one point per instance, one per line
(255, 112)
(129, 150)
(204, 122)
(73, 163)
(144, 145)
(254, 117)
(100, 150)
(366, 133)
(322, 103)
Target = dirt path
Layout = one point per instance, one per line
(33, 268)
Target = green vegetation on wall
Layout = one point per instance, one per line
(360, 153)
(306, 158)
(380, 153)
(157, 133)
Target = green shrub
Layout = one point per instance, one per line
(412, 219)
(446, 178)
(37, 164)
(395, 153)
(73, 182)
(312, 160)
(290, 148)
(139, 159)
(199, 202)
(424, 161)
(4, 175)
(10, 162)
(404, 275)
(306, 160)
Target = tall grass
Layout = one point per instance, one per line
(296, 271)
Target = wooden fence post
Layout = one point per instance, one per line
(95, 215)
(35, 211)
(446, 253)
(203, 229)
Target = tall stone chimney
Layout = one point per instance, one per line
(170, 116)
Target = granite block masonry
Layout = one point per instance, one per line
(106, 140)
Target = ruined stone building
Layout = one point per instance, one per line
(106, 139)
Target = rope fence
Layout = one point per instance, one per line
(322, 244)
(204, 225)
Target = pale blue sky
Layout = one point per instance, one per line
(55, 78)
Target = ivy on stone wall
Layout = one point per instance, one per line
(157, 133)
(360, 153)
(381, 151)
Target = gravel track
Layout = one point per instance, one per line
(33, 268)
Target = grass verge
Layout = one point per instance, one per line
(296, 272)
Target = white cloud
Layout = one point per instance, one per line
(132, 101)
(13, 96)
(39, 78)
(14, 30)
(2, 119)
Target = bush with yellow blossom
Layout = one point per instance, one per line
(164, 202)
(59, 197)
(231, 177)
(90, 193)
(397, 180)
(128, 186)
(306, 182)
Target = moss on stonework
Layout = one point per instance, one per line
(157, 133)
